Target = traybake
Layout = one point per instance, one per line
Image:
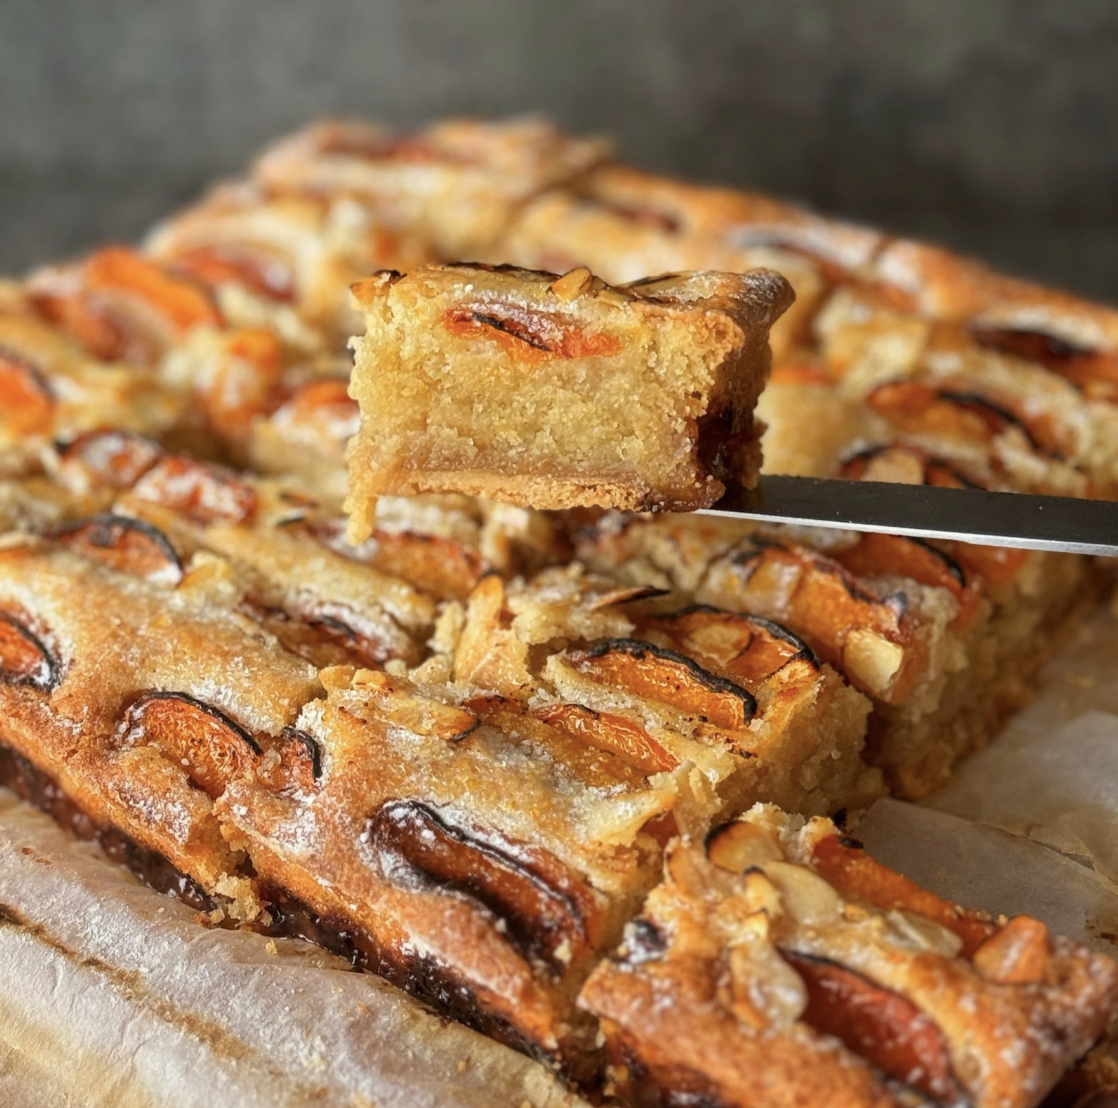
(563, 775)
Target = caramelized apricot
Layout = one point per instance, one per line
(211, 749)
(323, 404)
(24, 658)
(994, 564)
(97, 314)
(882, 1026)
(244, 381)
(646, 670)
(532, 336)
(126, 545)
(300, 758)
(537, 902)
(799, 373)
(612, 733)
(917, 408)
(907, 464)
(265, 273)
(858, 877)
(864, 634)
(206, 493)
(875, 555)
(26, 398)
(743, 646)
(182, 301)
(360, 649)
(1095, 372)
(435, 564)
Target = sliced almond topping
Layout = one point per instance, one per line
(573, 284)
(1016, 955)
(740, 845)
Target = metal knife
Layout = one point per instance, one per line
(1062, 523)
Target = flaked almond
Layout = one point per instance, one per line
(872, 660)
(1016, 955)
(573, 284)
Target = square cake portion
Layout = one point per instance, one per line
(560, 392)
(778, 963)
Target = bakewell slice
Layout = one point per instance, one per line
(741, 701)
(913, 626)
(455, 184)
(278, 556)
(778, 964)
(622, 223)
(483, 862)
(282, 260)
(50, 386)
(137, 702)
(553, 392)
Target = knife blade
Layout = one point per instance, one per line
(969, 515)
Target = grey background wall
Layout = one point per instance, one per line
(989, 124)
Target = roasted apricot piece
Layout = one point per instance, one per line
(646, 670)
(96, 311)
(995, 564)
(743, 646)
(264, 272)
(864, 634)
(882, 1026)
(538, 903)
(875, 555)
(858, 877)
(211, 749)
(300, 762)
(905, 464)
(181, 300)
(533, 336)
(126, 545)
(361, 649)
(918, 408)
(435, 564)
(114, 459)
(1095, 372)
(24, 657)
(26, 399)
(322, 405)
(206, 493)
(609, 732)
(799, 373)
(243, 385)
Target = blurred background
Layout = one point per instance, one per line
(991, 125)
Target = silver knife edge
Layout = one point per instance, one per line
(1057, 523)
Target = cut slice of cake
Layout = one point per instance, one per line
(779, 964)
(741, 700)
(557, 392)
(483, 862)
